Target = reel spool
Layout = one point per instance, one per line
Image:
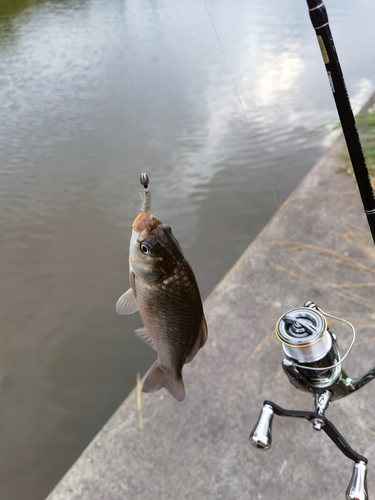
(309, 347)
(302, 332)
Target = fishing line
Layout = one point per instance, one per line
(325, 368)
(121, 25)
(273, 192)
(243, 109)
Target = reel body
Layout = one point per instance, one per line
(312, 360)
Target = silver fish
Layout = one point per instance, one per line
(164, 290)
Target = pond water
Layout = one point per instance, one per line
(92, 93)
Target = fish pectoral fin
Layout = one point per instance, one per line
(203, 333)
(126, 303)
(143, 334)
(156, 379)
(201, 340)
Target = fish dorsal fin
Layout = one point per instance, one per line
(144, 335)
(126, 303)
(201, 340)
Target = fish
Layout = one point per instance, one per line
(164, 290)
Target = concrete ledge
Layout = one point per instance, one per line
(318, 247)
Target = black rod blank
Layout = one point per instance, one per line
(319, 19)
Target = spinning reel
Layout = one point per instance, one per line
(313, 364)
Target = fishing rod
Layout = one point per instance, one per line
(319, 19)
(313, 362)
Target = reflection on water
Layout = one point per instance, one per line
(93, 93)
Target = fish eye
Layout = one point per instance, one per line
(147, 248)
(168, 228)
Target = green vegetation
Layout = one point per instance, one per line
(9, 7)
(366, 129)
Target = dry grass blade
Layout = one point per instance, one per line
(278, 373)
(361, 342)
(332, 287)
(303, 268)
(139, 400)
(336, 256)
(290, 273)
(261, 345)
(356, 238)
(354, 285)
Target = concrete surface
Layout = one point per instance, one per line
(318, 247)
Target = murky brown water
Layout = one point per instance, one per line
(92, 93)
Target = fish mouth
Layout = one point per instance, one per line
(145, 221)
(143, 228)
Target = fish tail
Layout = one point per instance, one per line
(157, 379)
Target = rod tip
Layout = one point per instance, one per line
(145, 180)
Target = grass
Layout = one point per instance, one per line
(366, 129)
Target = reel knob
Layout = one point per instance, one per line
(357, 488)
(261, 435)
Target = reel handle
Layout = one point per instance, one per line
(261, 435)
(327, 427)
(357, 488)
